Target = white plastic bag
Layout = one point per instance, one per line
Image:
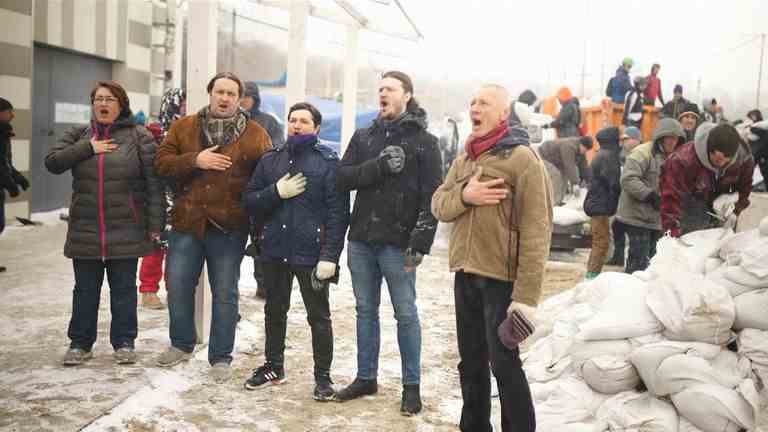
(565, 216)
(752, 310)
(692, 308)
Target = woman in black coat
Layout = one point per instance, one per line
(115, 217)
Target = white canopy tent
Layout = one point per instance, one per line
(383, 17)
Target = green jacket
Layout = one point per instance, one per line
(640, 178)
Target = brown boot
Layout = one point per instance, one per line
(150, 300)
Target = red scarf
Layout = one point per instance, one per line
(477, 146)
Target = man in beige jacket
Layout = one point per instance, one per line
(499, 198)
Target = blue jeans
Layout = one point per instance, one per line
(223, 253)
(368, 264)
(89, 276)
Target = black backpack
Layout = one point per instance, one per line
(609, 87)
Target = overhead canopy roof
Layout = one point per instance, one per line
(386, 17)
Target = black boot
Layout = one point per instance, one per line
(357, 389)
(411, 402)
(324, 388)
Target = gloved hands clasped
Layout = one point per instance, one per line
(393, 159)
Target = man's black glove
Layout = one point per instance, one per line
(413, 259)
(11, 187)
(393, 158)
(654, 200)
(20, 180)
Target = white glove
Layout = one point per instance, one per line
(289, 187)
(576, 191)
(528, 311)
(325, 270)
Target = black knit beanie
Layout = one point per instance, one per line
(725, 139)
(5, 105)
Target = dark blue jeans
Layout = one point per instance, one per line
(368, 264)
(89, 276)
(2, 211)
(642, 247)
(223, 253)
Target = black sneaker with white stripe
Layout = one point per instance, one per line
(267, 374)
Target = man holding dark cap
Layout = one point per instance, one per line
(497, 194)
(10, 178)
(717, 161)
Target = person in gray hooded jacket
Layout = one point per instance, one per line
(640, 200)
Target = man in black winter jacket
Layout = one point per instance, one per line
(602, 198)
(10, 179)
(395, 167)
(293, 193)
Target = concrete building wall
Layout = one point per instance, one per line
(16, 33)
(117, 30)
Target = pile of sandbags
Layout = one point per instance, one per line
(613, 352)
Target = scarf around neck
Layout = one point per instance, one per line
(479, 145)
(222, 131)
(298, 143)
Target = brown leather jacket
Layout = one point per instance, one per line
(206, 195)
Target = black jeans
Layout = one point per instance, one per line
(279, 278)
(642, 247)
(619, 231)
(481, 305)
(89, 276)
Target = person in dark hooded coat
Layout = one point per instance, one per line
(603, 196)
(251, 103)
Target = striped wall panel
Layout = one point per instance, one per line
(16, 35)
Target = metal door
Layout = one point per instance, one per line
(62, 85)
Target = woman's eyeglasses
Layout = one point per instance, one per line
(104, 100)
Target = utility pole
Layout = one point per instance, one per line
(232, 47)
(760, 76)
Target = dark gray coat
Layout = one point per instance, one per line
(117, 200)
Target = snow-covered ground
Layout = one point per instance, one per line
(39, 394)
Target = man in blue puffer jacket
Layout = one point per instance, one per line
(292, 192)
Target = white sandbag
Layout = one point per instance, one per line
(680, 372)
(610, 375)
(671, 258)
(647, 359)
(686, 426)
(712, 264)
(582, 350)
(541, 364)
(740, 241)
(549, 311)
(763, 227)
(755, 261)
(753, 344)
(647, 340)
(713, 408)
(735, 289)
(692, 308)
(565, 216)
(740, 276)
(705, 244)
(565, 401)
(638, 412)
(623, 313)
(752, 310)
(644, 275)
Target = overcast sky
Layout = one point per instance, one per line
(543, 44)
